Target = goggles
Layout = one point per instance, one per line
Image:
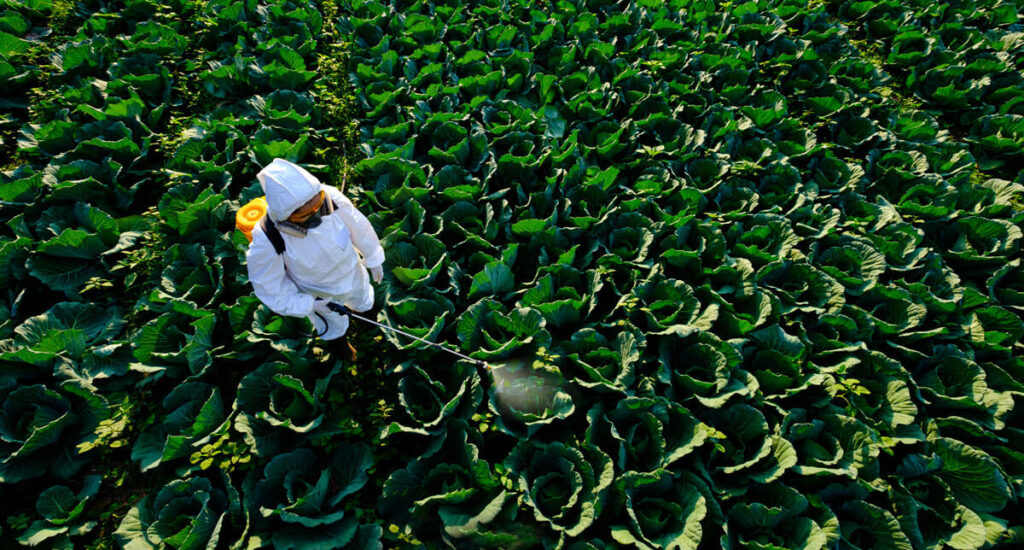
(308, 209)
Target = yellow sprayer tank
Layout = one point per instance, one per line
(249, 215)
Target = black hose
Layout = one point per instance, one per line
(305, 334)
(326, 326)
(294, 327)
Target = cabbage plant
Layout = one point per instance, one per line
(602, 364)
(664, 511)
(278, 405)
(649, 433)
(527, 397)
(564, 485)
(300, 498)
(488, 330)
(431, 398)
(62, 511)
(456, 492)
(194, 512)
(780, 516)
(195, 412)
(40, 430)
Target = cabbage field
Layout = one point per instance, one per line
(749, 273)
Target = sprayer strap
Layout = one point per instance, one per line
(273, 234)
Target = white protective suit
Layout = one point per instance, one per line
(322, 264)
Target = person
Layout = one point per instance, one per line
(328, 246)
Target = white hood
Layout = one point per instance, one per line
(287, 187)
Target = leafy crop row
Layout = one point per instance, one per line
(123, 283)
(963, 60)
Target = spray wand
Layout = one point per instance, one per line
(346, 311)
(515, 386)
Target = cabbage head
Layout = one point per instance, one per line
(61, 512)
(649, 433)
(300, 497)
(195, 512)
(564, 485)
(279, 405)
(40, 430)
(775, 515)
(663, 511)
(194, 412)
(456, 492)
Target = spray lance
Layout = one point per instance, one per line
(508, 376)
(337, 308)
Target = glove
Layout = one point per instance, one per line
(320, 306)
(378, 273)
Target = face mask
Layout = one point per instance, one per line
(313, 221)
(292, 229)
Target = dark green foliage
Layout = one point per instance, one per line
(748, 274)
(729, 240)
